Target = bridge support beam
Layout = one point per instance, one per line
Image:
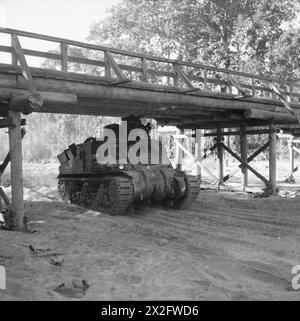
(244, 157)
(15, 146)
(292, 159)
(272, 159)
(220, 155)
(198, 150)
(179, 153)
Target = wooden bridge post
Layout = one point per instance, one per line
(272, 159)
(0, 197)
(15, 146)
(14, 59)
(220, 155)
(198, 150)
(179, 152)
(292, 158)
(244, 157)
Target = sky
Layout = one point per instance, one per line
(69, 19)
(61, 18)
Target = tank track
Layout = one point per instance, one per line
(109, 195)
(113, 195)
(191, 194)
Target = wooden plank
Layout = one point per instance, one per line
(220, 156)
(1, 197)
(263, 114)
(64, 56)
(15, 147)
(183, 76)
(7, 158)
(249, 159)
(23, 63)
(144, 69)
(179, 153)
(237, 85)
(26, 103)
(296, 149)
(197, 162)
(14, 57)
(5, 123)
(29, 102)
(29, 52)
(253, 87)
(292, 157)
(209, 152)
(272, 159)
(112, 63)
(246, 165)
(107, 67)
(244, 157)
(277, 91)
(88, 88)
(48, 96)
(4, 198)
(269, 105)
(137, 55)
(198, 150)
(231, 124)
(237, 133)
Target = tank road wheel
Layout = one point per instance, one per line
(191, 193)
(116, 198)
(63, 190)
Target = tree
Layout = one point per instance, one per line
(285, 55)
(249, 35)
(226, 33)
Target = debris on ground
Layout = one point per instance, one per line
(43, 252)
(73, 289)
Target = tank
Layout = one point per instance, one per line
(87, 179)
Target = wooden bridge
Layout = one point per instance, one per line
(88, 79)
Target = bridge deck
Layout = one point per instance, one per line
(96, 80)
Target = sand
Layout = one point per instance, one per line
(226, 246)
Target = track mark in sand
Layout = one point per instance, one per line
(265, 273)
(128, 278)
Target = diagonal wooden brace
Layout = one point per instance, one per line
(296, 149)
(184, 77)
(277, 91)
(197, 162)
(112, 64)
(238, 86)
(262, 178)
(209, 152)
(4, 197)
(249, 159)
(16, 47)
(7, 158)
(33, 100)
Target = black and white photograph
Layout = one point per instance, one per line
(149, 153)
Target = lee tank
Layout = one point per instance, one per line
(112, 188)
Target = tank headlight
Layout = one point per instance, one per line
(121, 167)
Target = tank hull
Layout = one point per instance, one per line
(116, 192)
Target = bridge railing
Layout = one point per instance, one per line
(122, 66)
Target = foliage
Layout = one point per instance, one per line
(226, 33)
(250, 35)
